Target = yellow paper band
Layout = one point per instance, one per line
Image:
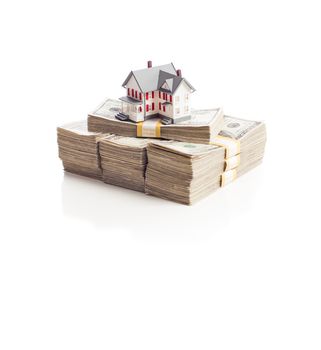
(158, 129)
(149, 128)
(232, 147)
(139, 129)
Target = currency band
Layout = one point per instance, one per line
(228, 176)
(232, 162)
(232, 147)
(149, 128)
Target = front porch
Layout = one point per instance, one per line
(133, 108)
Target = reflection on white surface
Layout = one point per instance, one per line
(108, 206)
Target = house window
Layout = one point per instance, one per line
(186, 108)
(136, 94)
(164, 96)
(153, 106)
(164, 108)
(132, 92)
(159, 94)
(186, 97)
(176, 98)
(140, 96)
(171, 98)
(140, 109)
(147, 108)
(128, 91)
(159, 106)
(176, 110)
(146, 95)
(153, 94)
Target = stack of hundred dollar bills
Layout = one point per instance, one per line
(177, 170)
(186, 172)
(78, 149)
(123, 161)
(203, 126)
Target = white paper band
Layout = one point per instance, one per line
(232, 162)
(228, 176)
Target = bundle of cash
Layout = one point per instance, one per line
(244, 144)
(78, 149)
(123, 161)
(183, 172)
(180, 171)
(203, 126)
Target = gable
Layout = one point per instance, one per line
(132, 84)
(183, 87)
(165, 86)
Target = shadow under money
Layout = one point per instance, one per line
(111, 207)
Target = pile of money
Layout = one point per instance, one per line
(203, 126)
(186, 172)
(244, 142)
(180, 171)
(123, 161)
(183, 172)
(78, 149)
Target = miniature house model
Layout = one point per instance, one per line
(156, 91)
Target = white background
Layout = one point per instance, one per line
(85, 265)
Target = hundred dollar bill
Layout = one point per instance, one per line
(78, 127)
(186, 148)
(109, 109)
(130, 141)
(236, 128)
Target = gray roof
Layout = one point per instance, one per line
(130, 100)
(151, 79)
